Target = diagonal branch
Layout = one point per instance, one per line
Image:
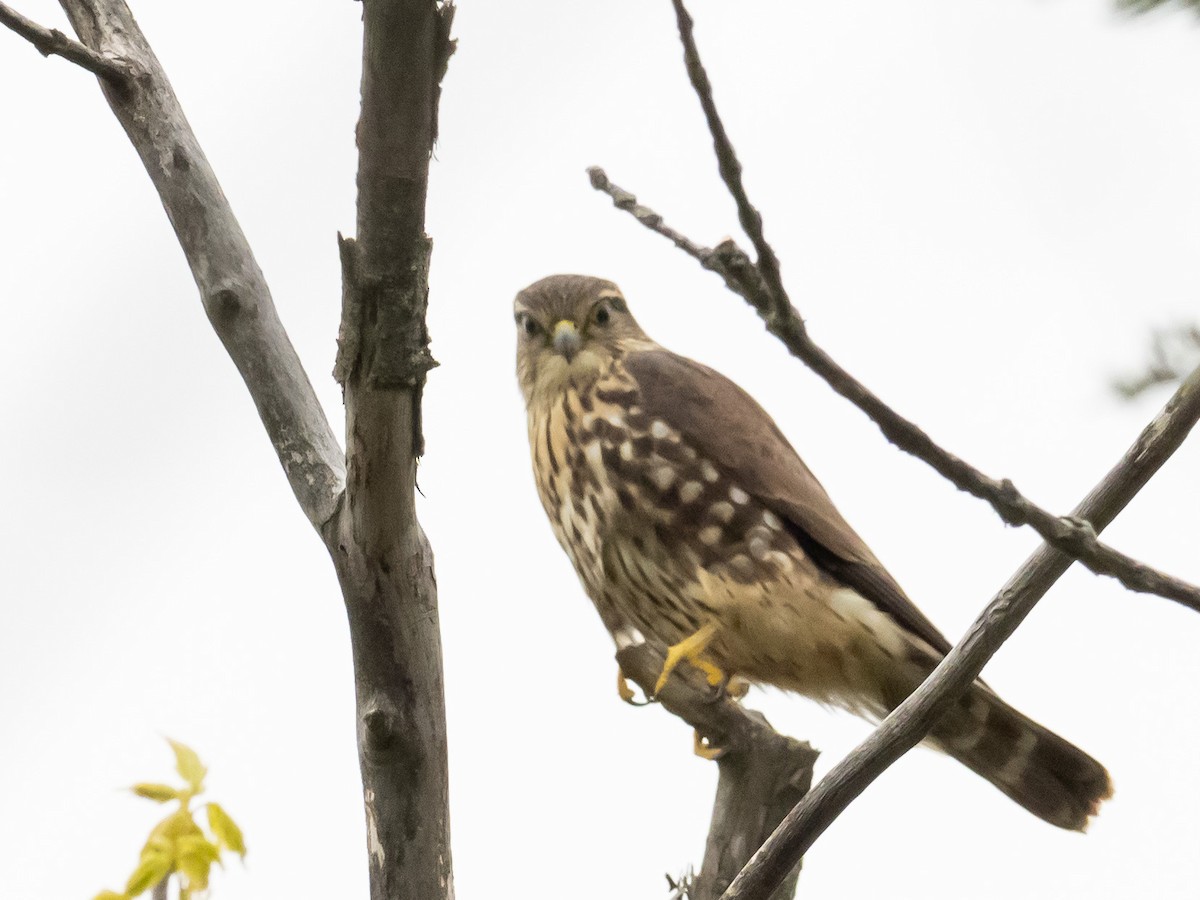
(912, 719)
(52, 42)
(1072, 535)
(232, 288)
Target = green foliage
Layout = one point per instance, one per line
(177, 846)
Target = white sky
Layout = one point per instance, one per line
(981, 208)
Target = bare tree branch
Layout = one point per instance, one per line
(912, 719)
(382, 559)
(52, 42)
(232, 287)
(1070, 534)
(727, 161)
(363, 510)
(761, 285)
(763, 774)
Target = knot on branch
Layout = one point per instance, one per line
(227, 305)
(381, 732)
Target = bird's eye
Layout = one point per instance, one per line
(602, 315)
(528, 324)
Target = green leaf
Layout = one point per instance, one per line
(226, 830)
(188, 765)
(110, 895)
(150, 871)
(159, 793)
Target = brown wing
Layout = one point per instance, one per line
(727, 426)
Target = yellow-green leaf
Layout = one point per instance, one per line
(177, 824)
(150, 871)
(225, 829)
(110, 895)
(157, 844)
(188, 765)
(159, 793)
(194, 858)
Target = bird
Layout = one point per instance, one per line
(691, 521)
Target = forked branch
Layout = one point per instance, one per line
(1072, 535)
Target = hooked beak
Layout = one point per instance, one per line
(565, 339)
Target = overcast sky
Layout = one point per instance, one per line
(982, 209)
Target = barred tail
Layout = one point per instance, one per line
(1049, 776)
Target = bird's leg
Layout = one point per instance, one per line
(692, 649)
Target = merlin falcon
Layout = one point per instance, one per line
(692, 521)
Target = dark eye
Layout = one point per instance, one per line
(602, 315)
(528, 324)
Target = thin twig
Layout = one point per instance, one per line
(1071, 534)
(912, 719)
(727, 162)
(52, 42)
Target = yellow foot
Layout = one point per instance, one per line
(705, 750)
(692, 649)
(625, 690)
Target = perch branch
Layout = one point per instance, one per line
(52, 42)
(762, 774)
(232, 288)
(912, 719)
(1070, 534)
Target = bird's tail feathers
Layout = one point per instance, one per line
(1046, 774)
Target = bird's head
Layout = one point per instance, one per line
(569, 329)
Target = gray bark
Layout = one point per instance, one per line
(232, 287)
(383, 561)
(762, 774)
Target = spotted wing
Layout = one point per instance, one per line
(732, 431)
